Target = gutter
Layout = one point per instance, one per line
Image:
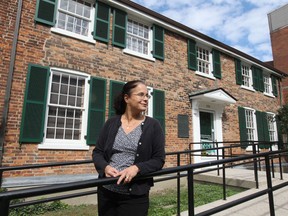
(9, 81)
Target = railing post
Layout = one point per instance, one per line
(255, 166)
(218, 171)
(191, 202)
(4, 207)
(269, 186)
(280, 167)
(178, 185)
(224, 176)
(272, 163)
(1, 177)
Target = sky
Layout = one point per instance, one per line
(241, 24)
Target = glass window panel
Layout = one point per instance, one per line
(59, 133)
(64, 4)
(79, 9)
(69, 123)
(70, 113)
(64, 89)
(60, 122)
(76, 135)
(63, 100)
(79, 102)
(50, 133)
(71, 101)
(61, 112)
(51, 122)
(72, 6)
(78, 114)
(72, 90)
(56, 78)
(77, 123)
(68, 134)
(54, 98)
(52, 111)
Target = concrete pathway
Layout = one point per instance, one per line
(255, 207)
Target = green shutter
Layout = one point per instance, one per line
(102, 22)
(119, 28)
(158, 42)
(192, 56)
(159, 107)
(96, 109)
(255, 78)
(115, 90)
(261, 80)
(238, 71)
(216, 64)
(242, 126)
(259, 122)
(258, 81)
(262, 128)
(274, 86)
(46, 11)
(34, 107)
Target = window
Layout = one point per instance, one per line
(66, 111)
(203, 57)
(267, 85)
(246, 76)
(75, 18)
(272, 127)
(250, 124)
(138, 41)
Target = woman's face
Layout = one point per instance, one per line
(138, 98)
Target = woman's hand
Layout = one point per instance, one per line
(128, 174)
(111, 171)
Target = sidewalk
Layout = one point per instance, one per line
(255, 207)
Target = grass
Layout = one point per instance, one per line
(162, 203)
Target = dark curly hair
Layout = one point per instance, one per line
(119, 102)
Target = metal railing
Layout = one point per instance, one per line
(190, 170)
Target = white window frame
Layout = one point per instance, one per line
(61, 143)
(252, 127)
(272, 127)
(149, 55)
(249, 84)
(201, 60)
(89, 37)
(268, 82)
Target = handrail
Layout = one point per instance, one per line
(6, 197)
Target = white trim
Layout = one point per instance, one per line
(68, 144)
(182, 32)
(89, 38)
(205, 75)
(247, 88)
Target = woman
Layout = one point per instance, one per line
(129, 144)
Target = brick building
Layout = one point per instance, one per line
(278, 25)
(72, 57)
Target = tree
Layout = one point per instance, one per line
(282, 124)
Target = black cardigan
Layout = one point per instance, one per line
(150, 155)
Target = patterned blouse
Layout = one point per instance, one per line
(124, 150)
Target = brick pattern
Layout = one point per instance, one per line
(39, 46)
(280, 55)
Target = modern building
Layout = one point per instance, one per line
(62, 63)
(278, 25)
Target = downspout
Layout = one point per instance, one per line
(9, 82)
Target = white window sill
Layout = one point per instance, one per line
(73, 35)
(269, 95)
(248, 88)
(130, 52)
(210, 76)
(57, 145)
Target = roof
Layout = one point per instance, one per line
(196, 33)
(217, 95)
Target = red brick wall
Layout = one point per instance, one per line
(39, 46)
(279, 40)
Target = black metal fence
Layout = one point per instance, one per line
(180, 171)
